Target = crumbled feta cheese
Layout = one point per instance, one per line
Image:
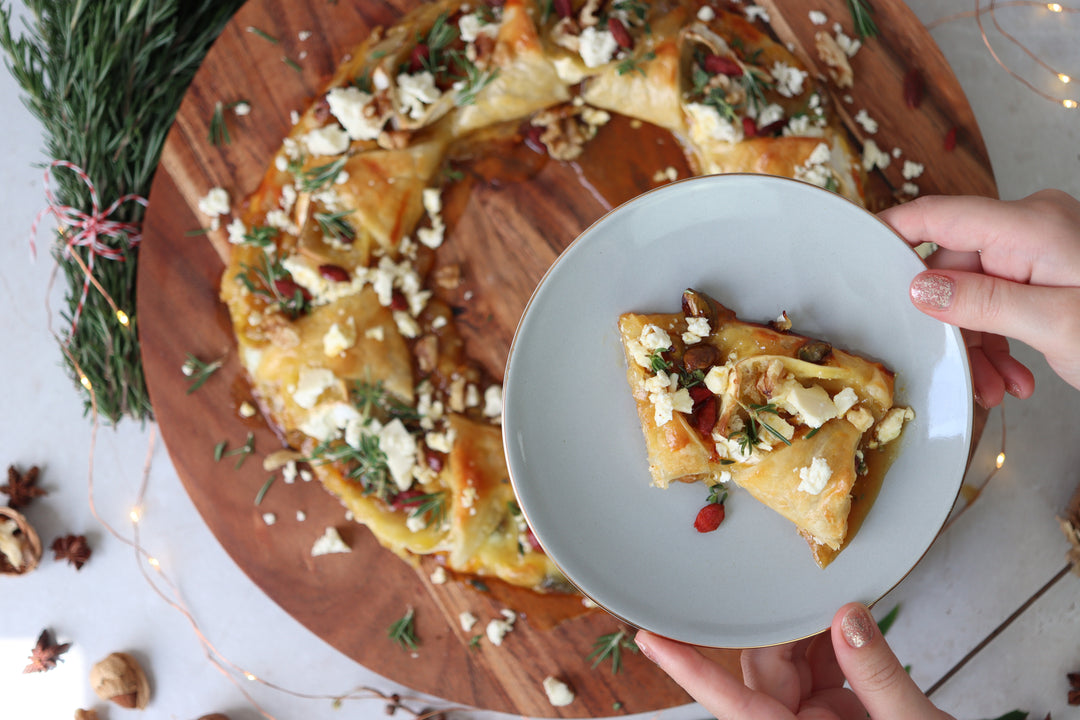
(867, 123)
(349, 105)
(278, 218)
(845, 400)
(416, 92)
(497, 629)
(559, 693)
(910, 188)
(310, 384)
(327, 420)
(849, 45)
(756, 12)
(236, 231)
(706, 14)
(329, 140)
(472, 27)
(288, 472)
(440, 441)
(597, 47)
(818, 18)
(415, 523)
(329, 542)
(874, 157)
(717, 379)
(438, 575)
(654, 338)
(912, 170)
(816, 169)
(707, 124)
(789, 80)
(269, 518)
(376, 333)
(493, 401)
(860, 417)
(467, 620)
(815, 476)
(890, 426)
(399, 446)
(241, 109)
(812, 405)
(897, 152)
(321, 289)
(696, 329)
(770, 114)
(339, 338)
(246, 410)
(214, 204)
(301, 516)
(802, 126)
(303, 35)
(294, 117)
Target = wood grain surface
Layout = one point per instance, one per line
(509, 223)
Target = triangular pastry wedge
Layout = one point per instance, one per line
(789, 418)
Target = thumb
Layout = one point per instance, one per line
(875, 675)
(1032, 314)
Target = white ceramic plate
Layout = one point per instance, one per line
(577, 456)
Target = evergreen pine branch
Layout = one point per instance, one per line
(105, 79)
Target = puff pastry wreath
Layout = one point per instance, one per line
(350, 354)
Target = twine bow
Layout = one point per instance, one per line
(81, 229)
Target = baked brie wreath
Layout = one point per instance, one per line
(350, 354)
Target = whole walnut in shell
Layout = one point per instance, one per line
(20, 546)
(120, 679)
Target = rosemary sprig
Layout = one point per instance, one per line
(268, 282)
(630, 64)
(657, 363)
(262, 491)
(241, 453)
(219, 129)
(105, 79)
(717, 494)
(318, 177)
(474, 80)
(292, 63)
(887, 622)
(336, 226)
(198, 371)
(860, 14)
(403, 631)
(366, 464)
(430, 507)
(611, 646)
(263, 34)
(369, 397)
(261, 236)
(755, 419)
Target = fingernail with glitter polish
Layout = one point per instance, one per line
(933, 291)
(645, 649)
(858, 627)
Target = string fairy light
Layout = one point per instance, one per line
(994, 5)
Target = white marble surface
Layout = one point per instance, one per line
(992, 559)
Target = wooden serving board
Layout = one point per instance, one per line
(506, 226)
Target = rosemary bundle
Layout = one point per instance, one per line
(105, 78)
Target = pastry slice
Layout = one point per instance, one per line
(789, 418)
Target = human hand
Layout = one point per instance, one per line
(804, 679)
(1006, 269)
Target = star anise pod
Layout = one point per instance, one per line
(46, 653)
(22, 487)
(72, 548)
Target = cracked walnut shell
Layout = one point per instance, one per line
(20, 546)
(120, 679)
